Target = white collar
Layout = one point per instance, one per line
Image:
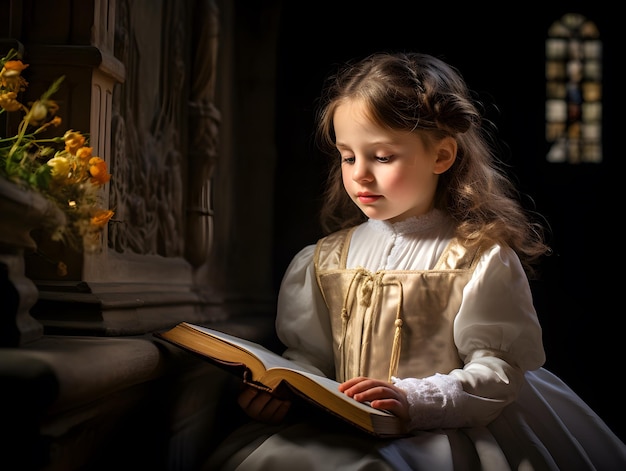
(410, 225)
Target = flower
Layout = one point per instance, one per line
(63, 169)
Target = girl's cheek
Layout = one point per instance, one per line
(394, 179)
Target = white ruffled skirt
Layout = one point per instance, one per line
(549, 427)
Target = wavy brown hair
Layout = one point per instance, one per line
(423, 94)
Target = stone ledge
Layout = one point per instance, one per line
(85, 368)
(73, 401)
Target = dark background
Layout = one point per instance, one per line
(501, 56)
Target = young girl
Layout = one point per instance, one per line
(418, 301)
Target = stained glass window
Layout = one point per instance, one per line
(574, 91)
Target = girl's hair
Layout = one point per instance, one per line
(421, 93)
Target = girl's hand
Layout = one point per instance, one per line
(380, 395)
(262, 406)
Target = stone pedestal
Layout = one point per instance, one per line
(21, 211)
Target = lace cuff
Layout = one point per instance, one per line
(433, 401)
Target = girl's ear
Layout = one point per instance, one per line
(446, 154)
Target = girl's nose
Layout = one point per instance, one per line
(361, 171)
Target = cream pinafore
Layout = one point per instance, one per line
(392, 322)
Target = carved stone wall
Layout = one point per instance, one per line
(141, 78)
(79, 401)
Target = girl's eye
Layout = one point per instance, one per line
(383, 158)
(347, 160)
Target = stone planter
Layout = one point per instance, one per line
(21, 211)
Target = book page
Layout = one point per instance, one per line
(266, 356)
(273, 360)
(314, 387)
(332, 386)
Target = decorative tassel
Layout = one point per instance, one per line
(344, 325)
(397, 338)
(395, 351)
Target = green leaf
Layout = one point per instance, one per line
(42, 177)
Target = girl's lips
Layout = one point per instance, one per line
(367, 198)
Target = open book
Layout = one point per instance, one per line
(264, 369)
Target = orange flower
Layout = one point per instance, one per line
(71, 177)
(14, 66)
(56, 121)
(11, 78)
(9, 102)
(61, 269)
(98, 171)
(84, 153)
(73, 141)
(101, 218)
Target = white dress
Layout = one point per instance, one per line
(498, 410)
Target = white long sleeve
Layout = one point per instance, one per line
(496, 330)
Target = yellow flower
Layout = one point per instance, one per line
(62, 168)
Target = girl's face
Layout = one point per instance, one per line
(390, 175)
